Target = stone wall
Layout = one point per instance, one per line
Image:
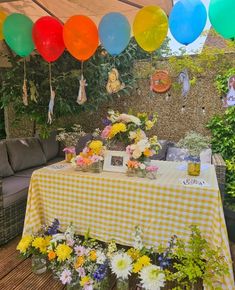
(201, 104)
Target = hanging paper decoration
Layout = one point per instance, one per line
(230, 98)
(114, 85)
(160, 81)
(222, 17)
(3, 16)
(184, 80)
(51, 106)
(114, 32)
(187, 20)
(150, 27)
(81, 99)
(33, 92)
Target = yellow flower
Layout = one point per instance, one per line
(51, 255)
(79, 262)
(149, 125)
(41, 244)
(144, 260)
(96, 146)
(63, 252)
(117, 128)
(137, 267)
(148, 152)
(85, 280)
(93, 255)
(24, 243)
(133, 253)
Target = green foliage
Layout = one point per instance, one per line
(221, 82)
(223, 142)
(65, 77)
(195, 260)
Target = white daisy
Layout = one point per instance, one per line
(121, 265)
(152, 278)
(101, 258)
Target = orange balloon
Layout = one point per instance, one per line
(3, 16)
(80, 37)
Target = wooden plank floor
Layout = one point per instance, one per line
(15, 272)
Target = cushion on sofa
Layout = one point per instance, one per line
(205, 156)
(14, 189)
(161, 155)
(176, 154)
(25, 153)
(50, 146)
(82, 142)
(5, 167)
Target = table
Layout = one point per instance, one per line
(111, 204)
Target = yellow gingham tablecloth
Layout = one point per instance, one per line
(111, 204)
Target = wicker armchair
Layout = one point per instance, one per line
(220, 168)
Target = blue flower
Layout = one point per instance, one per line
(101, 272)
(53, 228)
(106, 122)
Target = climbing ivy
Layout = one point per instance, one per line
(65, 79)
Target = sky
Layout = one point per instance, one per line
(197, 45)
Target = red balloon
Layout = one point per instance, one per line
(48, 38)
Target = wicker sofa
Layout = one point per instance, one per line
(20, 157)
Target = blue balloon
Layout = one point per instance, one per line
(187, 20)
(114, 32)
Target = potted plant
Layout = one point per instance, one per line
(194, 143)
(223, 141)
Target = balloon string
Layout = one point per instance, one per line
(82, 68)
(24, 88)
(50, 77)
(151, 75)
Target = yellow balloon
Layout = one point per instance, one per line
(3, 16)
(150, 27)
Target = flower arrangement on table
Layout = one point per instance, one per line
(91, 157)
(86, 262)
(69, 139)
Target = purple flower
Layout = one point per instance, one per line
(106, 122)
(80, 250)
(81, 272)
(101, 272)
(53, 228)
(66, 277)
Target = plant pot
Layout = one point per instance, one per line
(39, 264)
(230, 223)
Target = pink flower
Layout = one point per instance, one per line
(129, 150)
(70, 242)
(66, 277)
(96, 158)
(152, 168)
(69, 150)
(80, 250)
(81, 272)
(88, 287)
(106, 131)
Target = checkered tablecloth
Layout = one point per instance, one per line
(111, 204)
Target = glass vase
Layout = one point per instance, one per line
(74, 285)
(70, 153)
(102, 285)
(141, 173)
(96, 167)
(39, 264)
(131, 172)
(151, 175)
(122, 284)
(194, 168)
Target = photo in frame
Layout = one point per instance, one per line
(115, 161)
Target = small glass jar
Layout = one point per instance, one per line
(151, 175)
(103, 284)
(141, 173)
(96, 167)
(39, 264)
(131, 172)
(122, 284)
(70, 153)
(194, 166)
(74, 285)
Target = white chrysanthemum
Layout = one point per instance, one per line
(101, 258)
(121, 265)
(143, 144)
(132, 135)
(152, 277)
(129, 119)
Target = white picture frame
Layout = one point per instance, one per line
(115, 161)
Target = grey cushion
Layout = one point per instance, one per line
(50, 146)
(27, 172)
(55, 160)
(205, 156)
(5, 167)
(14, 189)
(25, 153)
(82, 142)
(176, 154)
(161, 152)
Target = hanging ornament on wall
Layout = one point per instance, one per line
(81, 99)
(230, 97)
(160, 81)
(114, 85)
(184, 80)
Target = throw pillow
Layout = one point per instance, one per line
(50, 146)
(205, 156)
(161, 152)
(5, 167)
(176, 154)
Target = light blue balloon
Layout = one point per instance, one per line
(187, 20)
(114, 32)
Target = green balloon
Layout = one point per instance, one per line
(17, 31)
(222, 17)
